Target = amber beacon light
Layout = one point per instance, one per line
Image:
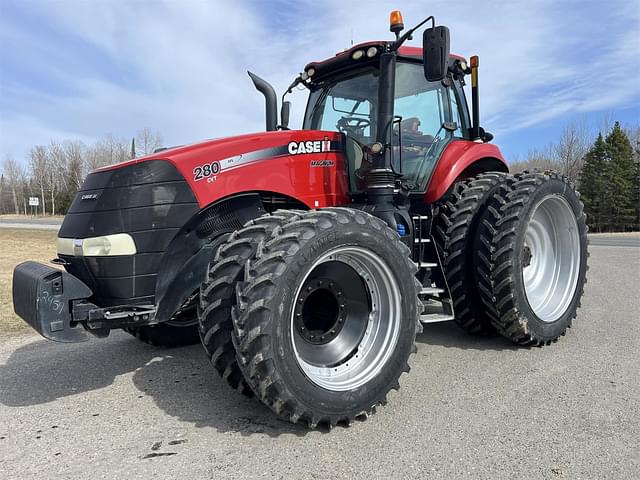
(396, 24)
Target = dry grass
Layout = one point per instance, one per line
(16, 246)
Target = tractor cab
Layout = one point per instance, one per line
(344, 96)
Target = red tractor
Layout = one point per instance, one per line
(305, 261)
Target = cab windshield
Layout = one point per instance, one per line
(349, 105)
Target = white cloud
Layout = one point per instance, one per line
(180, 67)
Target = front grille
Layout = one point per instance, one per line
(149, 200)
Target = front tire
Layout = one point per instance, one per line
(217, 294)
(326, 318)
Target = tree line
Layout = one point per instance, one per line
(605, 166)
(53, 173)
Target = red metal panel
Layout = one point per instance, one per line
(456, 158)
(316, 179)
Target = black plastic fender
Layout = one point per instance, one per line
(184, 263)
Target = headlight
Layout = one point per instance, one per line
(108, 245)
(372, 52)
(357, 55)
(311, 71)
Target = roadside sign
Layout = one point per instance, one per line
(34, 201)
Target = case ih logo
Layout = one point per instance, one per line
(310, 146)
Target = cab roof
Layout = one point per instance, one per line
(343, 60)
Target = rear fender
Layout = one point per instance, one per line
(463, 159)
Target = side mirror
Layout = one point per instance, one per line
(284, 115)
(435, 51)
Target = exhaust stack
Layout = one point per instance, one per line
(271, 101)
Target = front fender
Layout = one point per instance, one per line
(184, 263)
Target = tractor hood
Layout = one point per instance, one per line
(267, 161)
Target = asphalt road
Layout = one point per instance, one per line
(616, 240)
(31, 223)
(470, 408)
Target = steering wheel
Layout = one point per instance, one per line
(353, 125)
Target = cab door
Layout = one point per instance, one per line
(425, 123)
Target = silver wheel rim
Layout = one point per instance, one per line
(551, 258)
(363, 342)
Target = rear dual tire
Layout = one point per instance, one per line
(455, 231)
(533, 247)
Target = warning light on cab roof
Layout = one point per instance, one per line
(396, 23)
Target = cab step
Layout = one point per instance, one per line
(431, 291)
(435, 318)
(425, 264)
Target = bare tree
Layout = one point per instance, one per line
(571, 149)
(74, 152)
(107, 151)
(147, 141)
(540, 159)
(14, 174)
(57, 167)
(38, 161)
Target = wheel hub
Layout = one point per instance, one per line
(346, 318)
(320, 313)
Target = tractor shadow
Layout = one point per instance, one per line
(179, 381)
(449, 335)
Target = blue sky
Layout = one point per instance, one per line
(82, 69)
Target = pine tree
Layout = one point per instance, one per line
(592, 184)
(620, 178)
(132, 154)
